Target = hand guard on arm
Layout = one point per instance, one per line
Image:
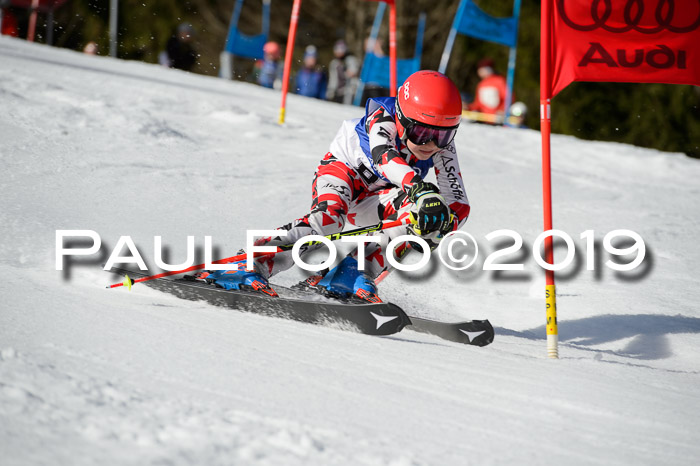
(432, 213)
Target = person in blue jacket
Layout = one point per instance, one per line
(311, 80)
(269, 70)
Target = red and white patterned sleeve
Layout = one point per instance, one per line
(381, 129)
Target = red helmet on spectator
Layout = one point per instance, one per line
(272, 48)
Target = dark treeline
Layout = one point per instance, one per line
(660, 116)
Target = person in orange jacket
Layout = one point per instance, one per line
(491, 91)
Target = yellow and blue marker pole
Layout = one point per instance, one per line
(552, 329)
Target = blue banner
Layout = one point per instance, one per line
(470, 20)
(376, 69)
(476, 23)
(242, 45)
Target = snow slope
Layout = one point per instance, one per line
(92, 375)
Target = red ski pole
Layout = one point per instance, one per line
(335, 236)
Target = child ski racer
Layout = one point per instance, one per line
(374, 171)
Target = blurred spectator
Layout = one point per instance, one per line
(466, 98)
(343, 72)
(269, 70)
(491, 90)
(9, 26)
(91, 48)
(518, 112)
(311, 80)
(374, 46)
(178, 52)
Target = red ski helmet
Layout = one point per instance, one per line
(428, 99)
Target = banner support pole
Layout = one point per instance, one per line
(451, 39)
(511, 63)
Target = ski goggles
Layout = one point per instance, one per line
(420, 134)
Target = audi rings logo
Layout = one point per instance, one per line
(665, 17)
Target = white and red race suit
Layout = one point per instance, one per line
(364, 179)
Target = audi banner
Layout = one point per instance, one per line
(650, 41)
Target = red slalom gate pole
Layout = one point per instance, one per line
(392, 49)
(359, 231)
(545, 129)
(32, 21)
(288, 54)
(550, 287)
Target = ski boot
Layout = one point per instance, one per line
(311, 283)
(200, 276)
(345, 281)
(238, 278)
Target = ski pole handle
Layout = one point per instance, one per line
(333, 237)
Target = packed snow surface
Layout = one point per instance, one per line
(90, 375)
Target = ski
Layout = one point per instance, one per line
(473, 332)
(294, 304)
(370, 319)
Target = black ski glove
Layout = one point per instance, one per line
(432, 212)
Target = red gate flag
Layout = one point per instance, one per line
(639, 41)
